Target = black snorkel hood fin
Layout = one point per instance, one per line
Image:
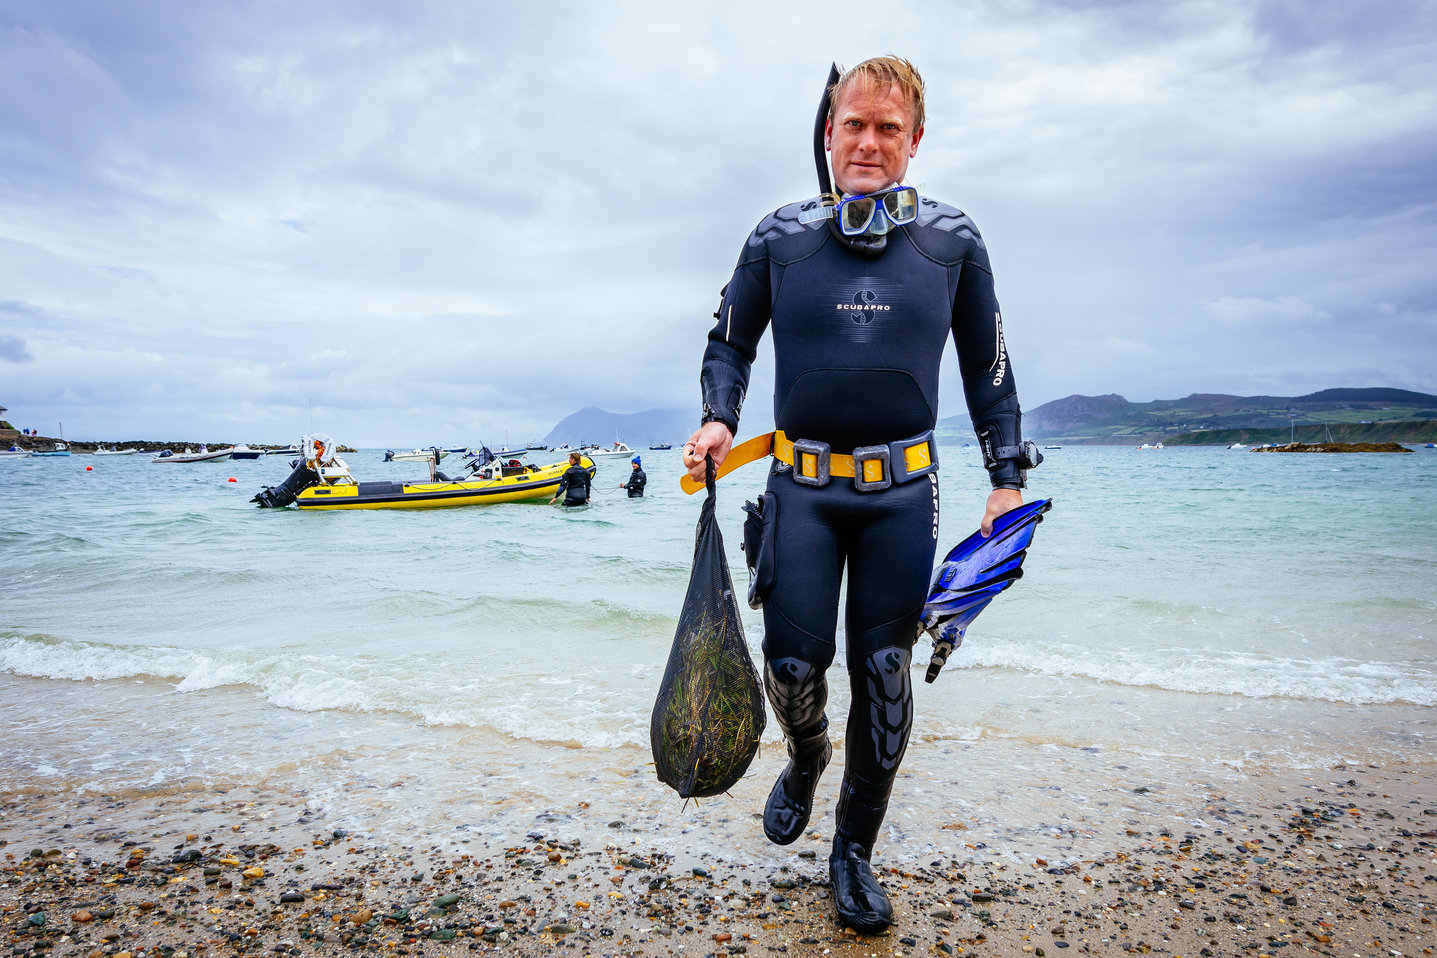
(866, 244)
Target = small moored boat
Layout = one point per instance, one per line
(102, 451)
(416, 455)
(189, 455)
(617, 449)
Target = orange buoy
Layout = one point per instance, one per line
(89, 468)
(233, 479)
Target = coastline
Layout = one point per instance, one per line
(1332, 861)
(87, 447)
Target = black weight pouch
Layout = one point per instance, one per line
(760, 547)
(709, 713)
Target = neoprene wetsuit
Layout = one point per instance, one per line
(858, 341)
(636, 483)
(574, 484)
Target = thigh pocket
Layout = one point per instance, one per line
(760, 546)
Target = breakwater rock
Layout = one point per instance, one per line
(1335, 447)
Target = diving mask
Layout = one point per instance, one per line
(874, 213)
(877, 212)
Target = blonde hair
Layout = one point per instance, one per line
(890, 71)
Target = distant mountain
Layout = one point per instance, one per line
(1112, 418)
(592, 424)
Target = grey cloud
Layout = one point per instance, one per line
(12, 349)
(1293, 26)
(15, 307)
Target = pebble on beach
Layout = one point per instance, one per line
(1346, 867)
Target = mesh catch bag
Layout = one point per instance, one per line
(709, 713)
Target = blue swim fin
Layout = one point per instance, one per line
(973, 574)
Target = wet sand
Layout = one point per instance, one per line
(1336, 862)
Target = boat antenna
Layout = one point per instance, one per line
(820, 158)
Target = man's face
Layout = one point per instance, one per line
(871, 137)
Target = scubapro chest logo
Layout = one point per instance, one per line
(864, 308)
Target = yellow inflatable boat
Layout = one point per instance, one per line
(323, 481)
(521, 484)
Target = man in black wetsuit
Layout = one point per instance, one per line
(859, 325)
(637, 480)
(573, 484)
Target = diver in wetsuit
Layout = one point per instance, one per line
(861, 300)
(573, 484)
(637, 480)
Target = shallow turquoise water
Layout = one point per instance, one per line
(1182, 609)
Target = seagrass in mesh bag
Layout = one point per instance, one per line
(709, 713)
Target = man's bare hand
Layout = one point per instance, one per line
(712, 438)
(999, 502)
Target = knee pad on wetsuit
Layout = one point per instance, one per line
(878, 725)
(882, 711)
(798, 693)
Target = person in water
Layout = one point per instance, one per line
(573, 484)
(637, 480)
(861, 291)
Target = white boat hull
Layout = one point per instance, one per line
(220, 456)
(416, 456)
(596, 453)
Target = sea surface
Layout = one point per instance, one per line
(1191, 618)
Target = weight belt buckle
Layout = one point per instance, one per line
(874, 454)
(820, 453)
(914, 457)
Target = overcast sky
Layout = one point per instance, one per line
(410, 222)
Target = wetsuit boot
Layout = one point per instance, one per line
(862, 903)
(878, 726)
(798, 693)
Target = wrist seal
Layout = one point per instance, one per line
(722, 387)
(1008, 465)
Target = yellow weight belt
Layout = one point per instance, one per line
(779, 446)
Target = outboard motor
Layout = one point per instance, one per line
(277, 497)
(317, 463)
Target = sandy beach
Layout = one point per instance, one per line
(1340, 861)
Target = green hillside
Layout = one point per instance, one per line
(1113, 419)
